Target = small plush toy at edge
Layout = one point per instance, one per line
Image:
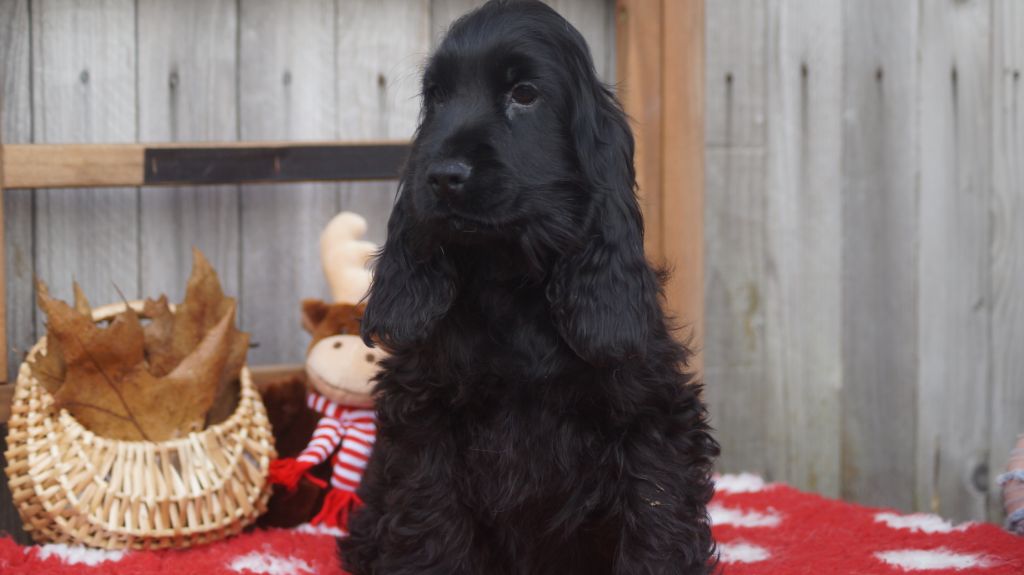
(1012, 483)
(339, 370)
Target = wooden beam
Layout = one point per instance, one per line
(129, 165)
(682, 175)
(638, 58)
(660, 48)
(72, 165)
(3, 276)
(264, 374)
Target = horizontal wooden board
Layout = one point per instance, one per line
(72, 165)
(273, 164)
(110, 165)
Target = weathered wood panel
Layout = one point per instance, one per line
(744, 409)
(188, 84)
(880, 231)
(288, 90)
(735, 73)
(953, 263)
(16, 127)
(802, 287)
(83, 89)
(744, 406)
(381, 49)
(1007, 248)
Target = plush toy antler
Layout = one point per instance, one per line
(339, 369)
(344, 257)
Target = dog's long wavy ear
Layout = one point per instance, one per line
(605, 296)
(411, 288)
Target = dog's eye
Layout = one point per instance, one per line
(524, 94)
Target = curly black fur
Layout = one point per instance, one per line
(534, 416)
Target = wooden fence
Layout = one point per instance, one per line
(865, 245)
(864, 258)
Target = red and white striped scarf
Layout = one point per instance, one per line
(351, 427)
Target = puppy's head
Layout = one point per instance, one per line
(495, 146)
(519, 145)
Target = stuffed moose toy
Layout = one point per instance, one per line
(339, 369)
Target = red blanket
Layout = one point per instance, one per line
(761, 529)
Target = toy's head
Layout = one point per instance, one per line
(339, 366)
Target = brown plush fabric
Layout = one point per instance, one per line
(323, 319)
(292, 421)
(293, 424)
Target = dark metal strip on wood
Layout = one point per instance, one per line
(273, 164)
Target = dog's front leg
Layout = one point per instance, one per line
(662, 533)
(663, 491)
(413, 522)
(429, 537)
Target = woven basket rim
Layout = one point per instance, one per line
(104, 313)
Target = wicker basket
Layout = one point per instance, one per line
(72, 486)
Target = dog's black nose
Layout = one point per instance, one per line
(447, 178)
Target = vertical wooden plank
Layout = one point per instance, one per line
(744, 404)
(381, 47)
(639, 60)
(1007, 247)
(595, 19)
(953, 261)
(83, 89)
(188, 92)
(802, 289)
(16, 127)
(735, 74)
(880, 223)
(17, 320)
(287, 91)
(682, 170)
(19, 269)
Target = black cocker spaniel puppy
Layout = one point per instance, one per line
(534, 416)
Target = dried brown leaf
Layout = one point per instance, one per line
(176, 404)
(160, 328)
(138, 405)
(48, 365)
(154, 382)
(96, 360)
(81, 302)
(205, 303)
